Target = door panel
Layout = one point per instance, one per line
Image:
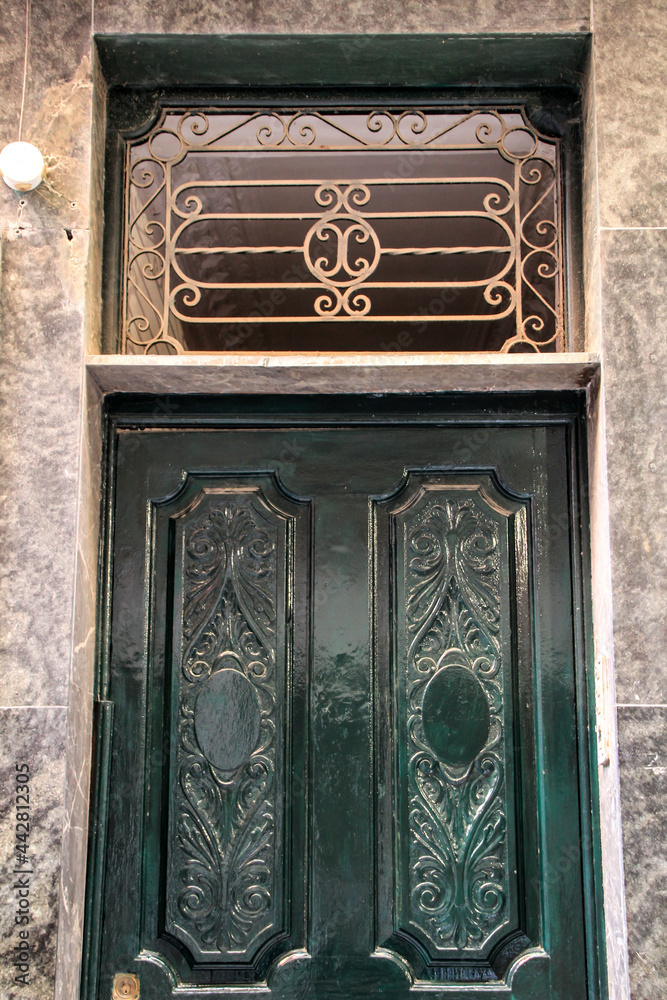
(452, 552)
(344, 757)
(227, 795)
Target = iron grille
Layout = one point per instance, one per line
(346, 230)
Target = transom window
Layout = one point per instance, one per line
(352, 229)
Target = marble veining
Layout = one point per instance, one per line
(39, 426)
(57, 110)
(643, 765)
(372, 16)
(79, 721)
(629, 47)
(33, 736)
(634, 299)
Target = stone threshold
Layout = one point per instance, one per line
(341, 373)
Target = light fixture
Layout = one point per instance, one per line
(21, 164)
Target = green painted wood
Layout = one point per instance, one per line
(294, 60)
(288, 808)
(453, 554)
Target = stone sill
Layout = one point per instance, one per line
(341, 373)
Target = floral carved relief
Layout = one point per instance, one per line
(455, 730)
(222, 869)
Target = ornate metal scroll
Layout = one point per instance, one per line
(222, 877)
(457, 823)
(491, 255)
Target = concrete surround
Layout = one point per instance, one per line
(53, 378)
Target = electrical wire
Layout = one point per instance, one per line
(28, 12)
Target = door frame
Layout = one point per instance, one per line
(132, 65)
(472, 412)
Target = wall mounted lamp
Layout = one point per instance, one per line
(21, 163)
(22, 166)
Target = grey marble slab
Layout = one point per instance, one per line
(58, 97)
(629, 43)
(35, 737)
(589, 332)
(41, 295)
(395, 371)
(12, 40)
(373, 16)
(59, 40)
(635, 350)
(643, 766)
(79, 724)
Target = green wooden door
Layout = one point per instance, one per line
(340, 738)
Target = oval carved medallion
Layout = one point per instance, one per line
(455, 715)
(227, 719)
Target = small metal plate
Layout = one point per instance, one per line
(125, 986)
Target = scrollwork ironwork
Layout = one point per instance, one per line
(176, 277)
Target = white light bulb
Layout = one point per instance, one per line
(22, 166)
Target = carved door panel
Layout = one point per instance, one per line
(341, 748)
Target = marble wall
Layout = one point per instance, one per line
(374, 16)
(32, 738)
(629, 65)
(634, 263)
(50, 449)
(44, 245)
